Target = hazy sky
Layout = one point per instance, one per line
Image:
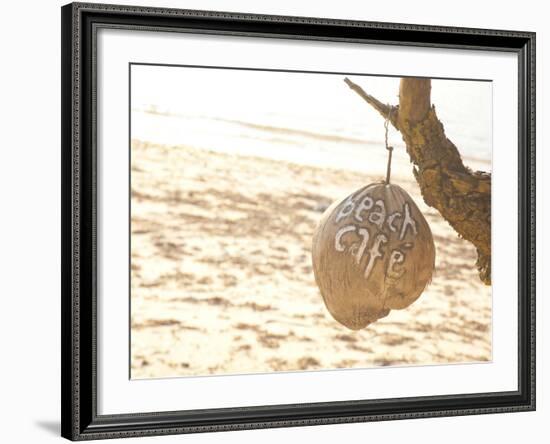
(320, 103)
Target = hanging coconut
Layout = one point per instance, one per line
(372, 252)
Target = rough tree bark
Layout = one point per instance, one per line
(461, 196)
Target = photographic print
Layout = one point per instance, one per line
(296, 221)
(273, 221)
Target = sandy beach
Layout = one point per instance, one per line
(222, 283)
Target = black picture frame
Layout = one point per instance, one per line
(80, 420)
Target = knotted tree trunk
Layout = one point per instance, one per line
(461, 196)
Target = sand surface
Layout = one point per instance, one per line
(222, 283)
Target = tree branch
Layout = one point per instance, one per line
(383, 109)
(461, 196)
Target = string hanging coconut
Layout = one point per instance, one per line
(372, 252)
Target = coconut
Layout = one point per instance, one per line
(372, 252)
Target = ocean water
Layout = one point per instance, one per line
(311, 119)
